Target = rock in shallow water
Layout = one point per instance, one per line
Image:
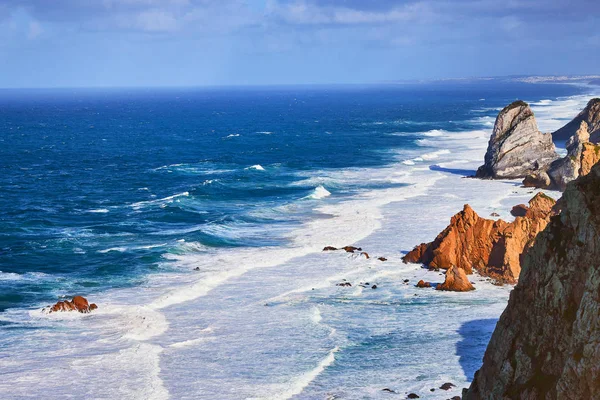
(492, 247)
(516, 148)
(78, 303)
(456, 281)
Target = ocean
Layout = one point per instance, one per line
(195, 219)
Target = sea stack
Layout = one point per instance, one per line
(590, 115)
(545, 345)
(494, 248)
(516, 148)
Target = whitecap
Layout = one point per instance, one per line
(99, 210)
(256, 167)
(319, 193)
(233, 135)
(408, 162)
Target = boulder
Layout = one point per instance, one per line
(545, 345)
(590, 115)
(519, 210)
(492, 247)
(423, 284)
(539, 179)
(351, 249)
(456, 281)
(516, 148)
(447, 386)
(329, 248)
(78, 303)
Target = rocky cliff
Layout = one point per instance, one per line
(493, 248)
(547, 342)
(516, 148)
(581, 156)
(590, 115)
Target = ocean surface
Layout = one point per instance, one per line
(195, 219)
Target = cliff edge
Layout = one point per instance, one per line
(546, 344)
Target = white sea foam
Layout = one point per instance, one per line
(160, 202)
(99, 210)
(265, 132)
(257, 167)
(233, 135)
(296, 386)
(319, 193)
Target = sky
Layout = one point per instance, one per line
(80, 43)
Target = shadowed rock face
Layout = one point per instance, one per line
(516, 148)
(581, 156)
(590, 115)
(546, 344)
(493, 248)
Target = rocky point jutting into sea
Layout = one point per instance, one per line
(547, 343)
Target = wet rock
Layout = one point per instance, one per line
(344, 284)
(382, 259)
(374, 287)
(406, 281)
(364, 253)
(423, 284)
(197, 269)
(78, 303)
(516, 148)
(351, 249)
(329, 248)
(494, 214)
(388, 390)
(412, 396)
(447, 386)
(456, 281)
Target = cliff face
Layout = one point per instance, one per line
(516, 148)
(547, 342)
(590, 115)
(493, 248)
(581, 156)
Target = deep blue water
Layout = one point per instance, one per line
(139, 171)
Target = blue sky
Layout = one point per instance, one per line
(58, 43)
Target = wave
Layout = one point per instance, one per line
(161, 202)
(233, 135)
(265, 132)
(298, 385)
(319, 193)
(256, 167)
(99, 210)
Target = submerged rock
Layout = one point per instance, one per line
(516, 148)
(590, 115)
(492, 247)
(546, 343)
(78, 303)
(456, 281)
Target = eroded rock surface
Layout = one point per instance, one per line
(78, 303)
(456, 281)
(492, 247)
(516, 148)
(546, 344)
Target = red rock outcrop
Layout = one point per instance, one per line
(546, 344)
(456, 281)
(78, 303)
(492, 247)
